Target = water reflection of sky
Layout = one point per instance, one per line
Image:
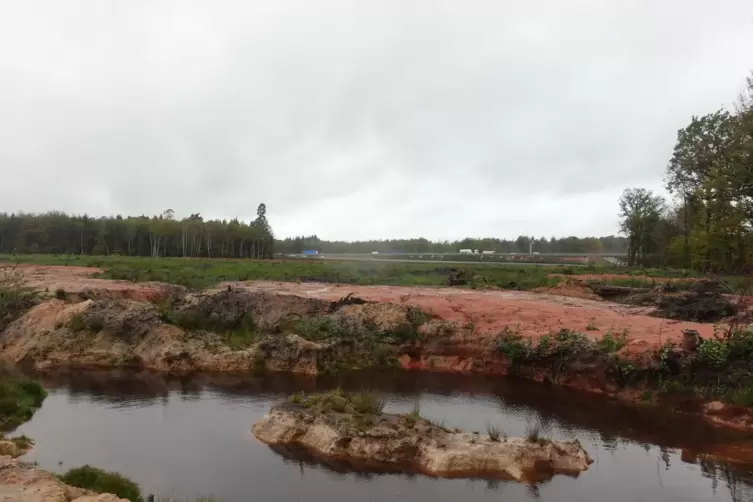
(191, 436)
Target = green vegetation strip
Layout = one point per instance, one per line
(720, 369)
(204, 273)
(20, 397)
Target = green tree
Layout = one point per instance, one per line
(640, 212)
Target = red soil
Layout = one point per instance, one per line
(529, 313)
(78, 280)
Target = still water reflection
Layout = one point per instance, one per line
(190, 437)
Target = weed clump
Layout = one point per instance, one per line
(494, 431)
(611, 342)
(15, 297)
(364, 402)
(533, 435)
(237, 333)
(99, 481)
(20, 397)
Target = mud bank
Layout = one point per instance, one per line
(589, 345)
(346, 427)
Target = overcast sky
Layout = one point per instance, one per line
(356, 119)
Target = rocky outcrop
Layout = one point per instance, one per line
(329, 427)
(20, 482)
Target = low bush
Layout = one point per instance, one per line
(20, 397)
(99, 481)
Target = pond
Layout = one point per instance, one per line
(190, 436)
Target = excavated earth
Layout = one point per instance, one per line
(103, 323)
(407, 443)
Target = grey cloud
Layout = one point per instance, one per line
(352, 119)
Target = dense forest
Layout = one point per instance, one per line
(611, 244)
(708, 224)
(162, 235)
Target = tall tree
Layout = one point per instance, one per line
(640, 211)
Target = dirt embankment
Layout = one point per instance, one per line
(313, 328)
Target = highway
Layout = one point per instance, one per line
(436, 258)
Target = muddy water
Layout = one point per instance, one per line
(190, 437)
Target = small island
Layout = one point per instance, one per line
(353, 428)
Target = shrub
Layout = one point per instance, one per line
(20, 397)
(60, 294)
(368, 402)
(297, 398)
(99, 481)
(611, 342)
(714, 352)
(514, 346)
(742, 396)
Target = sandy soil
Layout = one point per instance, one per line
(78, 280)
(529, 313)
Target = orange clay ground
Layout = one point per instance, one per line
(532, 314)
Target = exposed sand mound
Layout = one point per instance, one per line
(371, 439)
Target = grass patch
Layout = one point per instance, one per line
(99, 481)
(612, 342)
(741, 396)
(20, 397)
(23, 442)
(364, 402)
(237, 334)
(85, 322)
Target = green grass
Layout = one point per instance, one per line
(99, 481)
(363, 402)
(203, 273)
(20, 397)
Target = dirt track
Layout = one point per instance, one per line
(531, 314)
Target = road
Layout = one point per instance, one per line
(352, 257)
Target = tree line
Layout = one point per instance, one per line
(707, 224)
(523, 244)
(160, 235)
